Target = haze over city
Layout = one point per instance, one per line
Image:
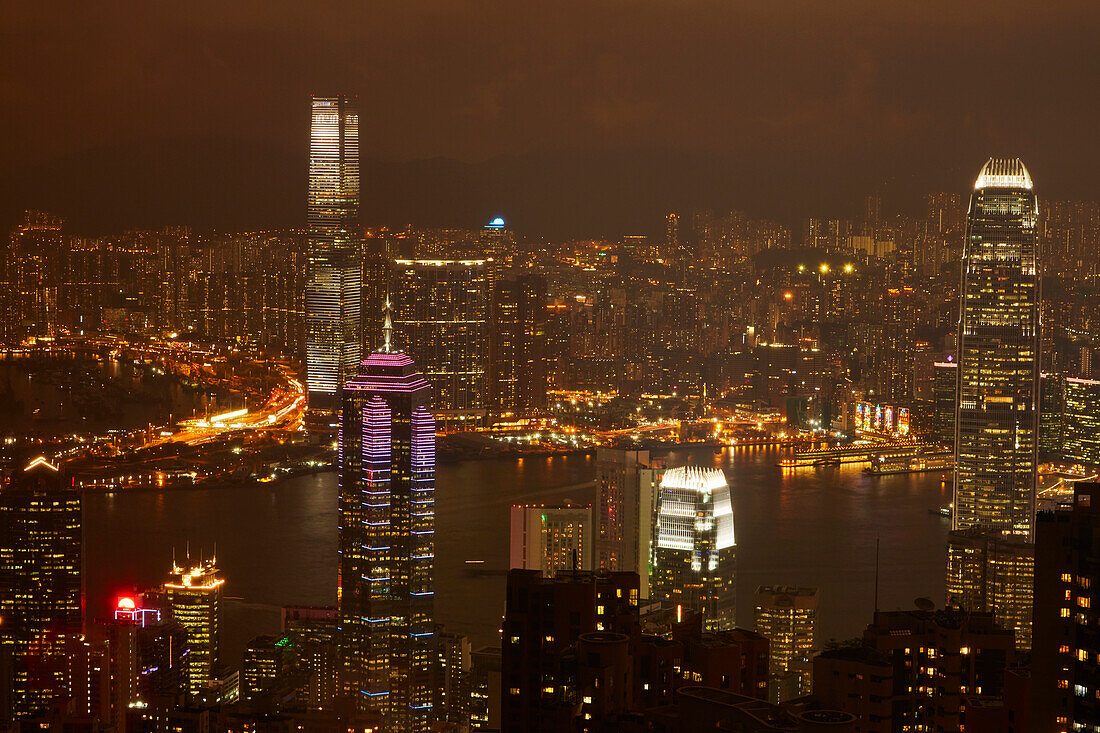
(640, 367)
(574, 118)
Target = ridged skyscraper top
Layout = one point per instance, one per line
(1003, 173)
(694, 478)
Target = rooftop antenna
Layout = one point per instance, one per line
(387, 327)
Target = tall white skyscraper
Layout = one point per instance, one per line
(334, 279)
(695, 549)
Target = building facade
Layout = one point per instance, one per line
(194, 593)
(334, 277)
(1065, 676)
(386, 542)
(1081, 421)
(41, 600)
(787, 617)
(997, 425)
(997, 405)
(518, 359)
(544, 619)
(626, 501)
(916, 670)
(694, 550)
(441, 319)
(551, 539)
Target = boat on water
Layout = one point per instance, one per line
(919, 463)
(943, 511)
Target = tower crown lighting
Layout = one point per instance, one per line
(1003, 173)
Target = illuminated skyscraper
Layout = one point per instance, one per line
(553, 539)
(40, 587)
(786, 617)
(441, 319)
(334, 278)
(194, 600)
(386, 542)
(1081, 421)
(517, 370)
(695, 550)
(997, 427)
(990, 553)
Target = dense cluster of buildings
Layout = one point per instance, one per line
(619, 615)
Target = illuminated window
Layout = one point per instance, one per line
(1064, 613)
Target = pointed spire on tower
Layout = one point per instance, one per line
(387, 328)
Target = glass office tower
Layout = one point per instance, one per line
(990, 551)
(694, 553)
(997, 413)
(387, 543)
(41, 599)
(334, 277)
(194, 594)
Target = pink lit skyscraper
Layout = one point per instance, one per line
(386, 542)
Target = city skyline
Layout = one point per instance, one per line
(670, 367)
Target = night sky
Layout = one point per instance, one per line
(568, 118)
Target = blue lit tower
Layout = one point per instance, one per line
(386, 542)
(334, 276)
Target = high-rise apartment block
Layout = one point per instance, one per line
(787, 617)
(944, 385)
(626, 501)
(266, 658)
(41, 596)
(993, 572)
(1066, 652)
(334, 280)
(518, 359)
(916, 670)
(441, 319)
(694, 551)
(193, 594)
(1081, 421)
(312, 635)
(551, 539)
(387, 543)
(543, 620)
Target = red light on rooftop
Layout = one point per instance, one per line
(126, 603)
